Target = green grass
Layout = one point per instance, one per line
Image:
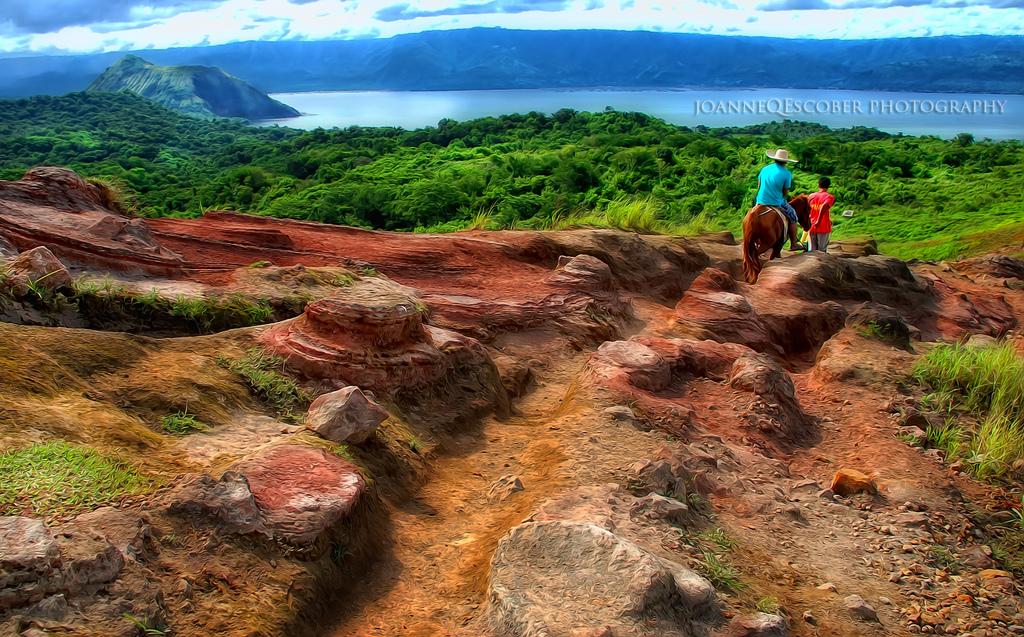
(416, 444)
(181, 423)
(943, 558)
(719, 538)
(264, 375)
(988, 384)
(878, 332)
(720, 573)
(768, 605)
(59, 478)
(206, 314)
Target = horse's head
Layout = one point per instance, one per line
(803, 210)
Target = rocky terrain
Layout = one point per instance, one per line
(202, 91)
(320, 430)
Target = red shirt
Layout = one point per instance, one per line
(821, 205)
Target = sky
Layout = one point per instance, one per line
(76, 26)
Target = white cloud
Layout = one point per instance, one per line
(212, 22)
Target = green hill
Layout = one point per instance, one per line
(200, 91)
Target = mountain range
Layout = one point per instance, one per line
(201, 91)
(490, 58)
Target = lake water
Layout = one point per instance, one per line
(942, 114)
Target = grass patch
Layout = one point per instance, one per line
(416, 445)
(182, 423)
(878, 332)
(264, 374)
(720, 573)
(719, 538)
(988, 384)
(58, 478)
(943, 558)
(768, 605)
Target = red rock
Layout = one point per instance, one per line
(372, 335)
(708, 358)
(847, 482)
(713, 309)
(583, 272)
(301, 491)
(644, 367)
(78, 221)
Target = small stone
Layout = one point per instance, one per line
(346, 415)
(913, 518)
(620, 413)
(860, 609)
(504, 487)
(827, 586)
(847, 482)
(810, 618)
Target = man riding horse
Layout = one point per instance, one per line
(773, 185)
(766, 225)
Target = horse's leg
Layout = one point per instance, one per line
(794, 238)
(781, 241)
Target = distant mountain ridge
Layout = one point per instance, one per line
(487, 58)
(201, 91)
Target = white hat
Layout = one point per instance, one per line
(781, 155)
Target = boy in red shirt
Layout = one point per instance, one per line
(821, 219)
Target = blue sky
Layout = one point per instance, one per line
(58, 26)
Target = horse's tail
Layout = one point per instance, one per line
(751, 255)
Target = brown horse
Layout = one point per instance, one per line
(764, 229)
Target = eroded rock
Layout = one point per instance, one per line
(294, 493)
(644, 367)
(546, 577)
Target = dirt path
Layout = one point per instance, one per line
(434, 581)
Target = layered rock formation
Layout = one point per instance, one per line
(481, 434)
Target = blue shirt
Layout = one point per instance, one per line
(773, 178)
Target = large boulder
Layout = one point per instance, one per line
(345, 415)
(36, 268)
(854, 356)
(372, 334)
(292, 493)
(301, 491)
(562, 578)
